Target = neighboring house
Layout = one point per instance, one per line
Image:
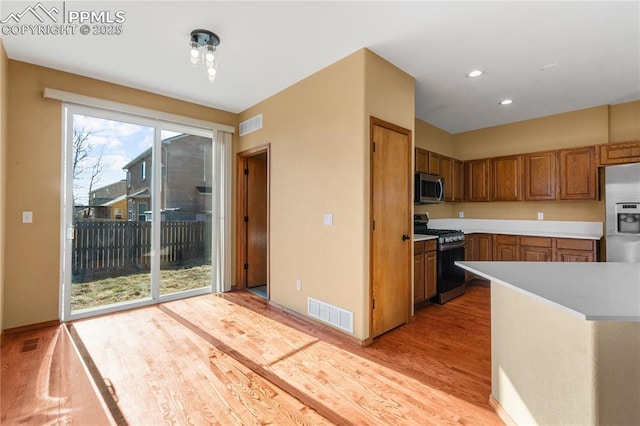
(107, 202)
(186, 180)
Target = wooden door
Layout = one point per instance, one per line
(484, 247)
(430, 273)
(256, 220)
(422, 161)
(446, 171)
(391, 226)
(540, 176)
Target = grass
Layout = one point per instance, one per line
(137, 286)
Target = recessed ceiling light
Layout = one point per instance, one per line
(506, 102)
(475, 73)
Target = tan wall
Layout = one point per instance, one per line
(434, 139)
(33, 180)
(568, 130)
(624, 122)
(4, 71)
(318, 130)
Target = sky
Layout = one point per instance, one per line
(119, 143)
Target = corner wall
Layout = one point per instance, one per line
(4, 77)
(318, 165)
(32, 265)
(319, 135)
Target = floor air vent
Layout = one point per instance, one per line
(251, 125)
(330, 314)
(30, 345)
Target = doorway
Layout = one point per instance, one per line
(252, 264)
(391, 226)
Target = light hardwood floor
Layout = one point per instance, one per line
(232, 359)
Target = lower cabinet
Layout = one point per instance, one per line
(536, 249)
(574, 250)
(506, 248)
(424, 270)
(512, 248)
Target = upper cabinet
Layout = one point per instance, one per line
(577, 174)
(620, 153)
(434, 163)
(476, 173)
(506, 178)
(540, 176)
(422, 161)
(452, 173)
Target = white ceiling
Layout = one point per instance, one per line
(267, 46)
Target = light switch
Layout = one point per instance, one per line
(27, 217)
(540, 216)
(328, 219)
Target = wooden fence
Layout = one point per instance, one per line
(104, 249)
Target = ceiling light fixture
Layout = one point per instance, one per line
(506, 102)
(475, 73)
(202, 46)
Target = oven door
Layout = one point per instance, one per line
(449, 275)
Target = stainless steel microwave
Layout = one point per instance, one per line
(429, 189)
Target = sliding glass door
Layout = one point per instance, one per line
(139, 212)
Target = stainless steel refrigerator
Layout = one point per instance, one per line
(622, 197)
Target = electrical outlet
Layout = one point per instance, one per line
(328, 219)
(27, 217)
(298, 285)
(461, 214)
(540, 216)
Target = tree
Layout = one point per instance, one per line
(88, 161)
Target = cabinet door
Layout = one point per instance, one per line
(484, 247)
(535, 254)
(506, 252)
(422, 161)
(578, 174)
(430, 273)
(506, 177)
(470, 247)
(540, 176)
(620, 153)
(458, 181)
(568, 255)
(476, 175)
(418, 278)
(434, 163)
(446, 171)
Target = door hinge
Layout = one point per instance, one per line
(246, 266)
(373, 305)
(374, 147)
(246, 218)
(246, 171)
(374, 225)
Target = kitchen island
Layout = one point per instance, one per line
(565, 341)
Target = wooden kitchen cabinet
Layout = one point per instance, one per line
(424, 270)
(506, 248)
(452, 173)
(477, 247)
(506, 178)
(421, 160)
(620, 153)
(536, 249)
(576, 250)
(418, 272)
(430, 272)
(540, 176)
(577, 173)
(477, 174)
(434, 163)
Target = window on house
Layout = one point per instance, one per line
(143, 170)
(128, 179)
(142, 207)
(118, 214)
